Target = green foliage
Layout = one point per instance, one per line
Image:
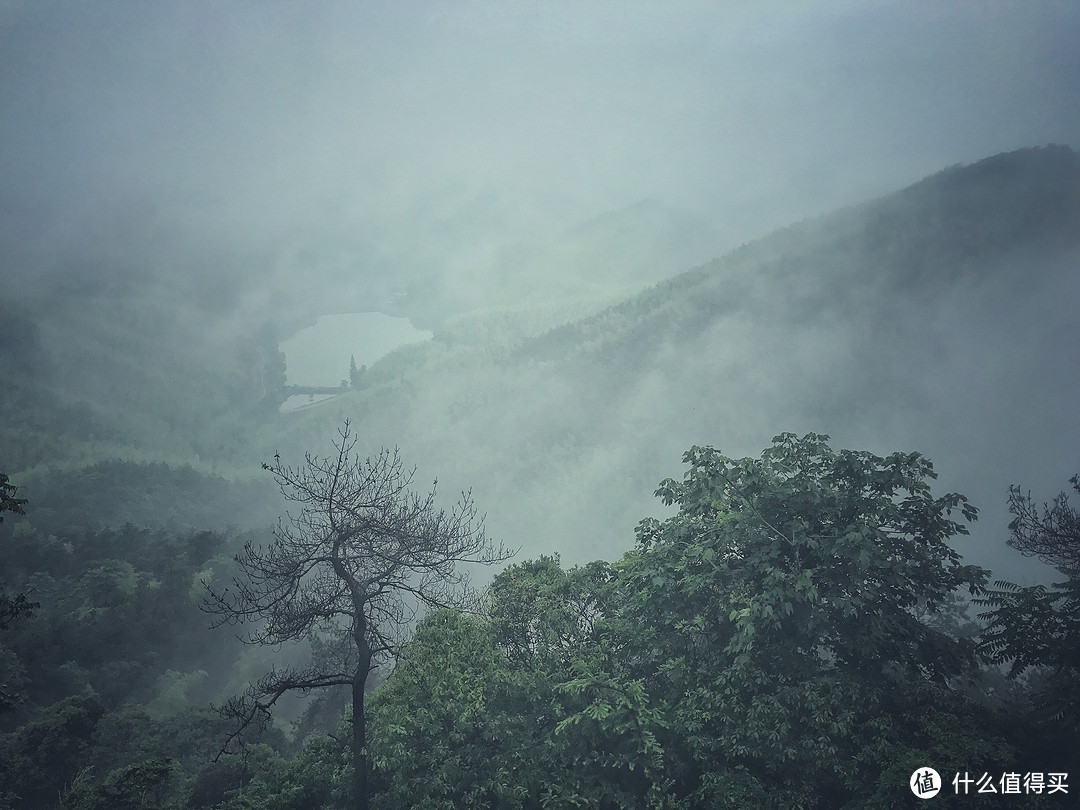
(458, 725)
(43, 755)
(612, 729)
(831, 551)
(8, 501)
(1033, 626)
(788, 639)
(435, 742)
(11, 607)
(258, 778)
(97, 679)
(792, 637)
(136, 787)
(116, 611)
(1038, 627)
(542, 617)
(775, 618)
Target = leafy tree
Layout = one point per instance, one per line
(263, 780)
(439, 739)
(847, 544)
(775, 619)
(594, 731)
(11, 607)
(543, 617)
(119, 609)
(787, 639)
(8, 501)
(457, 724)
(352, 568)
(1038, 627)
(42, 755)
(136, 787)
(783, 641)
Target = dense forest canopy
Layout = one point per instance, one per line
(795, 635)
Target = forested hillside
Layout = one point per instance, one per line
(788, 627)
(797, 634)
(925, 319)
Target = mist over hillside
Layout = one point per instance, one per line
(939, 319)
(556, 256)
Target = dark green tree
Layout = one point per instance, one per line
(135, 787)
(516, 711)
(8, 501)
(11, 607)
(358, 561)
(784, 641)
(440, 738)
(43, 754)
(544, 618)
(778, 621)
(1037, 628)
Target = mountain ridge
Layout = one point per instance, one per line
(957, 195)
(913, 322)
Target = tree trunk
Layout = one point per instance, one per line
(359, 735)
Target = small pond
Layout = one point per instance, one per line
(319, 355)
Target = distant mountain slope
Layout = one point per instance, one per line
(918, 240)
(140, 375)
(941, 319)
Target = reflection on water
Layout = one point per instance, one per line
(319, 355)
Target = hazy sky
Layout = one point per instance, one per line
(381, 141)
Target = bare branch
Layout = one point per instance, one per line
(351, 569)
(253, 708)
(1052, 535)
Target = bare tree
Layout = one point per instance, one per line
(1054, 535)
(350, 570)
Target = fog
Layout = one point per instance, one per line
(225, 168)
(540, 249)
(337, 155)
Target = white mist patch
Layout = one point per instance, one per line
(319, 355)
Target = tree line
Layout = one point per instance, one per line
(800, 633)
